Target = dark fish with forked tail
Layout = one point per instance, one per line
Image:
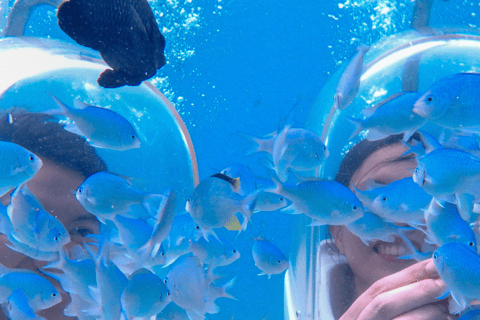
(123, 31)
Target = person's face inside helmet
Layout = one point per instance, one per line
(53, 185)
(370, 263)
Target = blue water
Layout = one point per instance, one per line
(240, 65)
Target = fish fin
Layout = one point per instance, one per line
(248, 206)
(282, 169)
(407, 134)
(291, 209)
(337, 99)
(233, 224)
(368, 112)
(266, 163)
(73, 128)
(429, 142)
(257, 144)
(459, 299)
(64, 108)
(373, 134)
(371, 184)
(465, 205)
(365, 241)
(80, 104)
(444, 294)
(454, 307)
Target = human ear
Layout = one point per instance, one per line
(337, 234)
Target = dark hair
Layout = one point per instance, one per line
(44, 136)
(359, 152)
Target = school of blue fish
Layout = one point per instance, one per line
(175, 251)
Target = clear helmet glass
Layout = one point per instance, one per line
(31, 67)
(408, 61)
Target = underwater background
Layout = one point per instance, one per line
(239, 66)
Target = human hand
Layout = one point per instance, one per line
(410, 294)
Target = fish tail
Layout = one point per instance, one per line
(248, 207)
(358, 126)
(148, 206)
(257, 144)
(417, 255)
(223, 289)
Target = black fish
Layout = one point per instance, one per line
(123, 31)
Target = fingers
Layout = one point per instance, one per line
(399, 301)
(417, 272)
(428, 312)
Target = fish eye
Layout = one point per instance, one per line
(435, 256)
(189, 199)
(354, 207)
(168, 292)
(80, 190)
(324, 148)
(281, 198)
(165, 281)
(197, 227)
(31, 157)
(279, 261)
(471, 244)
(162, 253)
(384, 198)
(429, 98)
(133, 136)
(54, 294)
(234, 251)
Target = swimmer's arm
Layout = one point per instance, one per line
(406, 295)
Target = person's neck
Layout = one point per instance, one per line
(360, 287)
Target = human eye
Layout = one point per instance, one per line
(82, 227)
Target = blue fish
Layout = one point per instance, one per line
(18, 307)
(392, 116)
(215, 201)
(17, 166)
(145, 295)
(105, 194)
(297, 150)
(349, 82)
(459, 268)
(371, 227)
(102, 127)
(40, 292)
(452, 102)
(444, 171)
(77, 276)
(192, 288)
(401, 201)
(326, 202)
(32, 225)
(268, 257)
(214, 253)
(445, 225)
